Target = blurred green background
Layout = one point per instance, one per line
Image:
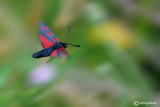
(118, 61)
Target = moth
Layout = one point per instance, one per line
(52, 46)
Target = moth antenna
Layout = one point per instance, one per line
(74, 45)
(67, 33)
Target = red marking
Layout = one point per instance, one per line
(66, 54)
(45, 28)
(54, 53)
(48, 34)
(57, 40)
(46, 43)
(63, 51)
(42, 27)
(60, 52)
(54, 39)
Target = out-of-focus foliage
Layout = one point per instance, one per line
(118, 61)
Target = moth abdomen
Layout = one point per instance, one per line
(42, 53)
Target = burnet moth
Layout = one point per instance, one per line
(52, 46)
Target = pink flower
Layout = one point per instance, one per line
(42, 75)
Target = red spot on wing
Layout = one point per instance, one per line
(45, 28)
(49, 33)
(55, 39)
(54, 53)
(42, 27)
(45, 42)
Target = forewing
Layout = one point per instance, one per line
(45, 42)
(46, 36)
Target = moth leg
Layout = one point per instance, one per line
(49, 60)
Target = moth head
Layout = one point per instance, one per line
(63, 45)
